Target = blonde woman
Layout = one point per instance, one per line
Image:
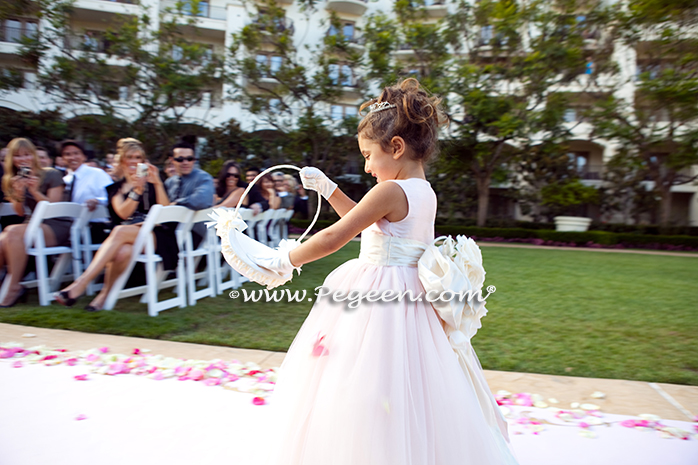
(130, 199)
(25, 184)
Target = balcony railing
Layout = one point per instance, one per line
(204, 10)
(591, 172)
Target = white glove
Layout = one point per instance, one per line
(278, 260)
(314, 179)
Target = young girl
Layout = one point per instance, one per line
(380, 384)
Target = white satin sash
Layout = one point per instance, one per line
(455, 266)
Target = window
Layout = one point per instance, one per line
(268, 65)
(15, 29)
(341, 75)
(177, 53)
(570, 115)
(340, 112)
(486, 35)
(347, 30)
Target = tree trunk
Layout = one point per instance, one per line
(664, 206)
(483, 197)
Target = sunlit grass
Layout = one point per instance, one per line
(580, 313)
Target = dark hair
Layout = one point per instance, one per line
(44, 149)
(68, 143)
(416, 118)
(182, 145)
(223, 175)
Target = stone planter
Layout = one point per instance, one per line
(572, 223)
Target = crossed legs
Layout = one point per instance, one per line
(113, 257)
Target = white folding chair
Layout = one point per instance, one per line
(144, 252)
(286, 221)
(81, 242)
(275, 227)
(35, 245)
(207, 248)
(263, 221)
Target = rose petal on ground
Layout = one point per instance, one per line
(17, 364)
(589, 407)
(81, 377)
(28, 335)
(258, 401)
(81, 417)
(598, 395)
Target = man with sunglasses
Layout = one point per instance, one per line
(190, 187)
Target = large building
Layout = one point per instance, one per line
(217, 20)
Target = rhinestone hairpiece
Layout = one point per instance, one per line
(380, 106)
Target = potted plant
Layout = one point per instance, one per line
(564, 201)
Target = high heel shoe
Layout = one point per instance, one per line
(63, 298)
(22, 296)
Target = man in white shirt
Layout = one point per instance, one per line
(84, 184)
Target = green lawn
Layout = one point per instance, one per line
(560, 312)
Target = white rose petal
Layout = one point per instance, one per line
(574, 405)
(598, 395)
(589, 407)
(540, 404)
(586, 433)
(553, 400)
(649, 417)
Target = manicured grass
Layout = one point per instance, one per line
(560, 312)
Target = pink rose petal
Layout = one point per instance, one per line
(81, 417)
(71, 362)
(104, 350)
(258, 401)
(92, 358)
(17, 364)
(212, 382)
(81, 377)
(136, 351)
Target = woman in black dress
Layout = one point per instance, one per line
(25, 183)
(230, 187)
(130, 199)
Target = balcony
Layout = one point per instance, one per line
(436, 8)
(103, 10)
(204, 10)
(352, 7)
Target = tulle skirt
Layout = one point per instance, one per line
(378, 384)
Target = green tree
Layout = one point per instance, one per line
(654, 120)
(140, 73)
(289, 86)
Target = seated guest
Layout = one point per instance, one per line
(85, 185)
(230, 188)
(44, 158)
(251, 173)
(266, 196)
(25, 183)
(281, 187)
(300, 205)
(130, 199)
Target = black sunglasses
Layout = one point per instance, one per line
(181, 159)
(232, 175)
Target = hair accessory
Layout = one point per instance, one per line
(380, 106)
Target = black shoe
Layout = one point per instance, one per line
(22, 296)
(63, 298)
(92, 308)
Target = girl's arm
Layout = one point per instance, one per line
(274, 200)
(17, 194)
(232, 200)
(385, 200)
(341, 202)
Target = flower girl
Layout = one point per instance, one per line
(389, 382)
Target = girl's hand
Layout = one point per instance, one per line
(314, 179)
(32, 184)
(272, 192)
(153, 175)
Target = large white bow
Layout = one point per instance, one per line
(455, 266)
(224, 220)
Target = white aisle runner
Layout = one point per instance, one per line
(137, 421)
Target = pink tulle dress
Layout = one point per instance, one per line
(380, 384)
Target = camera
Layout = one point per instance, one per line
(142, 170)
(25, 171)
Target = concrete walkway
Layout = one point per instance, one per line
(669, 401)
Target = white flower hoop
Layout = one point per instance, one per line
(240, 250)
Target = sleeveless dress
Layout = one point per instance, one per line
(379, 384)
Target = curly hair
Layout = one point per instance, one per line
(416, 118)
